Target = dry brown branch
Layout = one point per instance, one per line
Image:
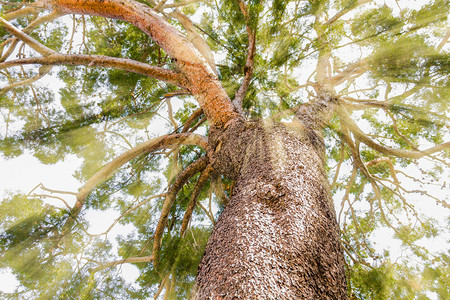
(181, 179)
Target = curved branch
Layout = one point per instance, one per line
(29, 10)
(203, 82)
(102, 61)
(391, 167)
(413, 154)
(14, 41)
(107, 171)
(187, 173)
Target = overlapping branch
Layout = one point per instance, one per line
(194, 197)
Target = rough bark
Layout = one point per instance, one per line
(278, 237)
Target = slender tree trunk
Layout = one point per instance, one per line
(278, 237)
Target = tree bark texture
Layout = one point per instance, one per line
(278, 237)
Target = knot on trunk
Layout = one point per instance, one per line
(227, 147)
(269, 191)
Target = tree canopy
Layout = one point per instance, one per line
(104, 89)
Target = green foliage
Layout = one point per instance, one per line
(97, 114)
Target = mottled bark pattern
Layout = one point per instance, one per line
(278, 237)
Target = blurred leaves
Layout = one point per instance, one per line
(98, 114)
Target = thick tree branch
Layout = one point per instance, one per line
(353, 70)
(25, 11)
(43, 19)
(171, 195)
(195, 38)
(249, 65)
(195, 115)
(203, 82)
(102, 61)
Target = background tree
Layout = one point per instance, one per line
(371, 76)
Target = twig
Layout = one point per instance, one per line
(181, 179)
(122, 261)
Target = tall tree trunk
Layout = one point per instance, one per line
(278, 237)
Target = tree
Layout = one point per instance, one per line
(260, 142)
